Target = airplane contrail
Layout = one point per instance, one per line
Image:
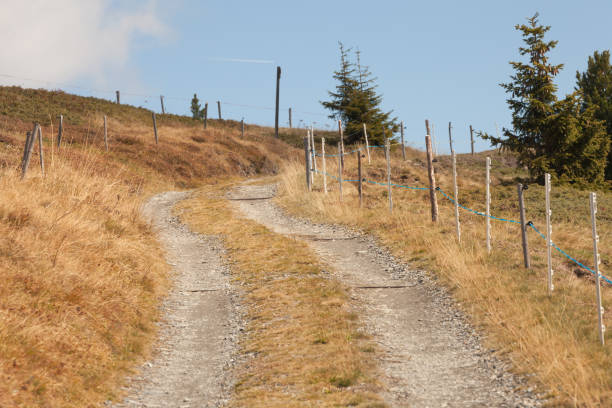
(242, 60)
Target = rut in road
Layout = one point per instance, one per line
(198, 336)
(430, 355)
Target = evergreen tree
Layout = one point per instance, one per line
(548, 135)
(596, 87)
(196, 109)
(355, 102)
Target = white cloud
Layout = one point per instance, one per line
(65, 40)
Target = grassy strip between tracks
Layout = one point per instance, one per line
(305, 344)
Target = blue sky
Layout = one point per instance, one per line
(441, 60)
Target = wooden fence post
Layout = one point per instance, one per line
(324, 167)
(307, 161)
(28, 153)
(431, 173)
(340, 170)
(366, 140)
(547, 190)
(388, 156)
(472, 139)
(155, 128)
(341, 148)
(25, 149)
(117, 94)
(520, 189)
(161, 99)
(60, 131)
(242, 127)
(290, 123)
(597, 261)
(488, 202)
(219, 108)
(456, 194)
(41, 152)
(450, 137)
(278, 76)
(313, 149)
(360, 186)
(403, 145)
(105, 134)
(206, 115)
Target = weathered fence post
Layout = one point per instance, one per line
(597, 261)
(307, 161)
(161, 99)
(242, 128)
(290, 122)
(341, 134)
(219, 108)
(25, 149)
(450, 137)
(324, 166)
(365, 133)
(472, 139)
(105, 134)
(340, 170)
(432, 177)
(117, 94)
(155, 127)
(456, 194)
(520, 189)
(488, 202)
(206, 115)
(359, 173)
(40, 151)
(60, 131)
(547, 189)
(403, 145)
(388, 156)
(278, 76)
(29, 146)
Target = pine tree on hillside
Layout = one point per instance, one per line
(355, 102)
(196, 109)
(548, 135)
(596, 87)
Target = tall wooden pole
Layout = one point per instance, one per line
(520, 189)
(472, 139)
(432, 177)
(403, 145)
(597, 261)
(163, 109)
(290, 122)
(219, 108)
(278, 76)
(547, 190)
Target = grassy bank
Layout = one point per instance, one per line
(304, 342)
(553, 337)
(82, 274)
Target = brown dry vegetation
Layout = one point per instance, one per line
(303, 341)
(81, 274)
(553, 337)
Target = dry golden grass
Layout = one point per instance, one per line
(553, 337)
(304, 343)
(82, 275)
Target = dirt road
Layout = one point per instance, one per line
(431, 357)
(197, 345)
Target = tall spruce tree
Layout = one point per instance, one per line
(595, 84)
(196, 109)
(355, 101)
(548, 135)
